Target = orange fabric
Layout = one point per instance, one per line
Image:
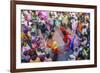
(80, 27)
(54, 47)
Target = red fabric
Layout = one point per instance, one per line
(66, 38)
(62, 29)
(56, 51)
(66, 33)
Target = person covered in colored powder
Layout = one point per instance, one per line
(53, 45)
(66, 38)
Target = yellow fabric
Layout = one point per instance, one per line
(23, 36)
(54, 45)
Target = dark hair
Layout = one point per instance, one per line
(34, 57)
(47, 55)
(84, 26)
(42, 58)
(50, 36)
(76, 49)
(64, 33)
(25, 53)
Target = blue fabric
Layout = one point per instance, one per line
(72, 43)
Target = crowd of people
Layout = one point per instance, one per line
(54, 36)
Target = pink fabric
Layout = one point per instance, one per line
(43, 15)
